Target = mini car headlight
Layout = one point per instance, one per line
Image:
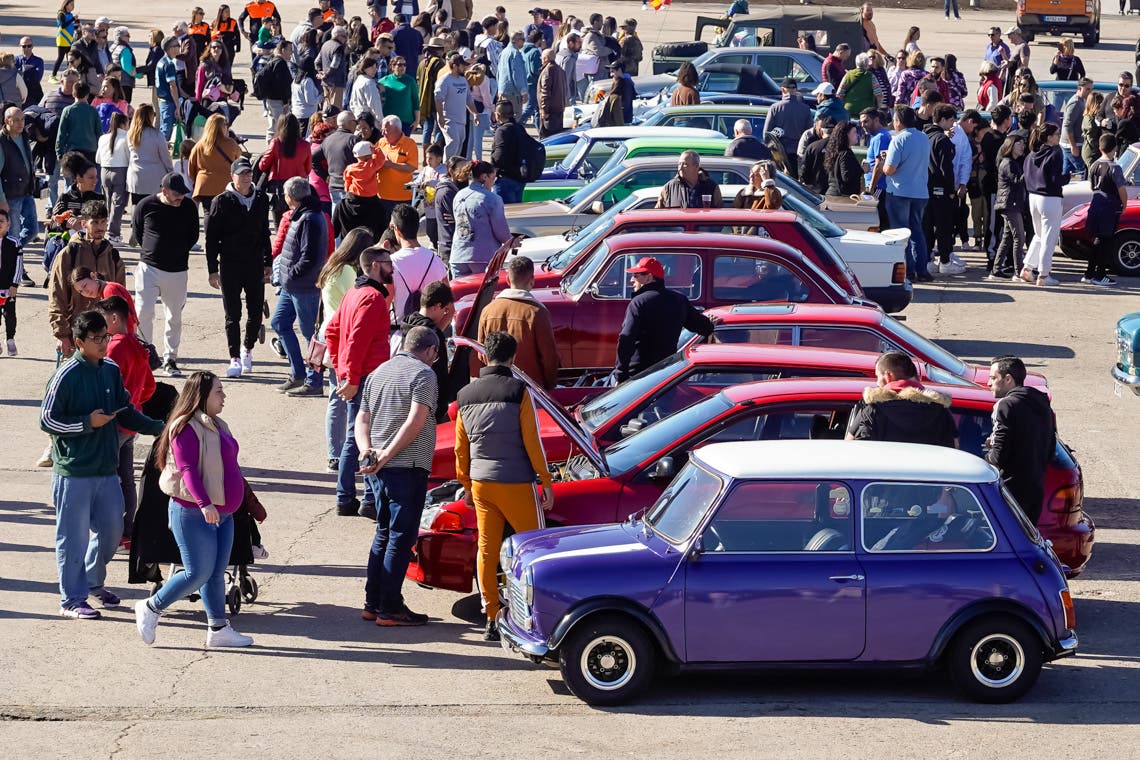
(507, 554)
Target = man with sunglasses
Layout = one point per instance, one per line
(84, 400)
(31, 68)
(1017, 59)
(1127, 97)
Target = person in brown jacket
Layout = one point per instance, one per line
(91, 250)
(210, 161)
(516, 312)
(551, 95)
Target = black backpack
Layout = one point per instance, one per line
(532, 157)
(412, 302)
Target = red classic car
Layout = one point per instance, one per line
(711, 269)
(596, 487)
(855, 328)
(1075, 242)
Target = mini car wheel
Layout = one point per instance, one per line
(1126, 253)
(995, 659)
(249, 588)
(607, 660)
(233, 600)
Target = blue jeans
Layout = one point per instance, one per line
(205, 551)
(908, 213)
(530, 110)
(349, 466)
(167, 113)
(481, 123)
(335, 419)
(509, 190)
(946, 8)
(431, 130)
(85, 506)
(291, 308)
(401, 491)
(15, 218)
(30, 223)
(1070, 164)
(459, 269)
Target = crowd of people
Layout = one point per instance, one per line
(325, 216)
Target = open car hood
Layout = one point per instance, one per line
(569, 425)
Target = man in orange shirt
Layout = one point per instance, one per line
(400, 159)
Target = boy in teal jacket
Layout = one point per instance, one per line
(84, 399)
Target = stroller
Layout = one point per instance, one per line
(152, 543)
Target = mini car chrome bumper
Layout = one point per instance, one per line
(513, 641)
(1122, 377)
(1066, 647)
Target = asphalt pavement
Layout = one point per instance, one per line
(319, 682)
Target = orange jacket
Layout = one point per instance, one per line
(362, 179)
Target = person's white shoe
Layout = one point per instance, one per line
(227, 637)
(259, 551)
(45, 458)
(955, 259)
(951, 268)
(234, 370)
(12, 347)
(147, 620)
(246, 360)
(1048, 280)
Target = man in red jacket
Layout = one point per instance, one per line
(127, 351)
(357, 339)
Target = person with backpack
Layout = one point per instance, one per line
(1110, 196)
(414, 268)
(507, 157)
(273, 85)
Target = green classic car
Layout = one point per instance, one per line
(553, 189)
(1126, 371)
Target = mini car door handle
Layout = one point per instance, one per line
(845, 578)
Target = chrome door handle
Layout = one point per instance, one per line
(845, 578)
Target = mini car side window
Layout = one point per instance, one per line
(742, 279)
(782, 516)
(923, 518)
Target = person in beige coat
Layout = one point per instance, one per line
(516, 312)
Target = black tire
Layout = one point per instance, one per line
(680, 50)
(607, 659)
(995, 659)
(1126, 253)
(233, 600)
(248, 588)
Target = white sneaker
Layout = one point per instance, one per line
(234, 370)
(227, 637)
(954, 259)
(147, 620)
(246, 360)
(45, 458)
(259, 552)
(12, 347)
(1087, 281)
(951, 268)
(1048, 280)
(1103, 282)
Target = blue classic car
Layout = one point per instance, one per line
(818, 553)
(1126, 371)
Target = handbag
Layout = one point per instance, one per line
(318, 349)
(152, 357)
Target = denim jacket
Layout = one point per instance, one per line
(480, 225)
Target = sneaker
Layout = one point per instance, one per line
(951, 268)
(81, 611)
(45, 458)
(106, 598)
(1016, 278)
(368, 509)
(12, 347)
(351, 509)
(368, 614)
(124, 546)
(1026, 275)
(146, 620)
(290, 384)
(1048, 280)
(234, 370)
(1087, 280)
(115, 239)
(1104, 282)
(954, 259)
(306, 390)
(25, 281)
(170, 369)
(247, 360)
(53, 79)
(992, 276)
(404, 617)
(491, 632)
(227, 637)
(259, 552)
(333, 465)
(275, 344)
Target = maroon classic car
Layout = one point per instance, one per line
(1125, 259)
(711, 269)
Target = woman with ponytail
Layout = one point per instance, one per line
(1044, 179)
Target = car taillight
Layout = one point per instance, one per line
(898, 274)
(1067, 499)
(447, 522)
(1070, 611)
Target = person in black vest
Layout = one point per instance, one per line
(1025, 434)
(17, 177)
(506, 155)
(498, 458)
(745, 145)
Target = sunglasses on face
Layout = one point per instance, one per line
(97, 338)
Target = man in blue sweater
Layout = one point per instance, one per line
(83, 406)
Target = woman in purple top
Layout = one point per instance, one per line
(205, 485)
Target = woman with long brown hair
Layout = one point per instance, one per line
(225, 28)
(286, 157)
(1045, 176)
(200, 473)
(686, 93)
(150, 155)
(210, 160)
(214, 79)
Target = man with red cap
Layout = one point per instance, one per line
(653, 320)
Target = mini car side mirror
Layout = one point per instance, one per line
(663, 469)
(697, 549)
(594, 291)
(598, 207)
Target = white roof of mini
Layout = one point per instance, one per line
(840, 460)
(628, 133)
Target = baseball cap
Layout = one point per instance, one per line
(789, 84)
(648, 265)
(173, 181)
(824, 89)
(535, 10)
(103, 21)
(362, 149)
(241, 166)
(1013, 30)
(385, 36)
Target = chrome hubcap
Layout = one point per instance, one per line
(1129, 255)
(997, 660)
(608, 662)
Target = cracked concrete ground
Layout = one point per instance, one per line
(320, 682)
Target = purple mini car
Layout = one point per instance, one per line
(806, 553)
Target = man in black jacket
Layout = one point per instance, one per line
(653, 320)
(505, 153)
(942, 210)
(238, 259)
(334, 154)
(1025, 434)
(900, 409)
(437, 309)
(745, 145)
(274, 85)
(812, 171)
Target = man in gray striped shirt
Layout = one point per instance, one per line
(395, 431)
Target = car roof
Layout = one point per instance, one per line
(765, 49)
(721, 162)
(747, 354)
(680, 143)
(838, 388)
(716, 109)
(744, 314)
(841, 460)
(628, 133)
(708, 215)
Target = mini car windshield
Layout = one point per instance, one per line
(660, 437)
(684, 503)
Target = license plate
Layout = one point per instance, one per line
(1056, 19)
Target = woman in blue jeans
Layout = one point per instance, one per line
(205, 485)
